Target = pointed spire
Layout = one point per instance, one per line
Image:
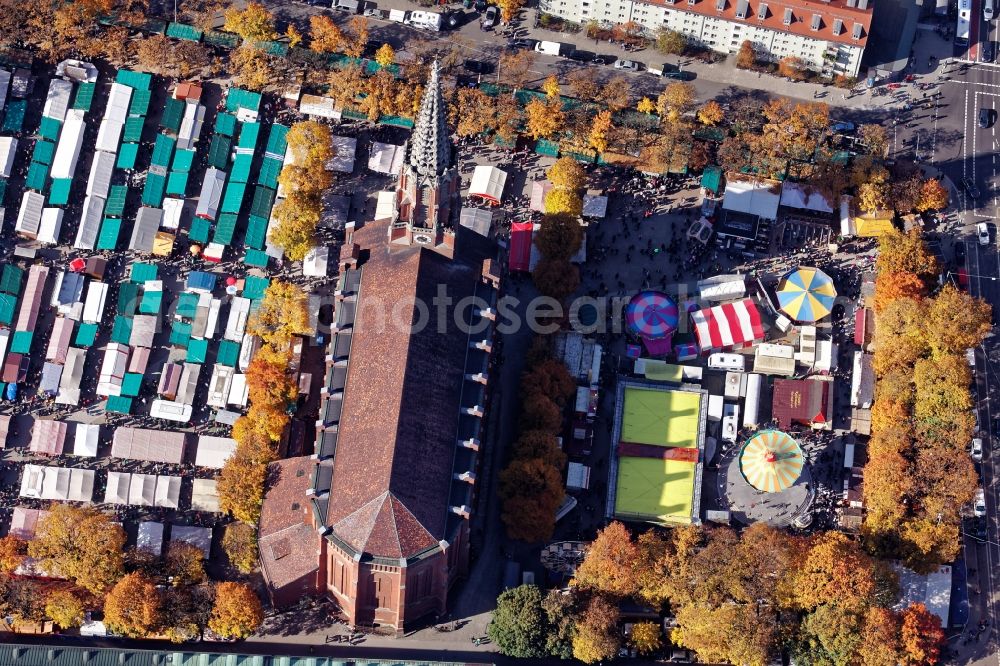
(430, 150)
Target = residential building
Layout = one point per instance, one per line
(378, 518)
(829, 36)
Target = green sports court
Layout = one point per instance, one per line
(659, 490)
(661, 417)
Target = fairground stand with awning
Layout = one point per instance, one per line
(519, 255)
(727, 327)
(488, 183)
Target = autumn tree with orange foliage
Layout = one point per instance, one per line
(921, 635)
(610, 564)
(892, 287)
(133, 608)
(13, 550)
(237, 612)
(596, 636)
(531, 490)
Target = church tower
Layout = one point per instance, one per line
(428, 188)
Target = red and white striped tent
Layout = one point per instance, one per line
(728, 326)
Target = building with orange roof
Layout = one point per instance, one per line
(829, 36)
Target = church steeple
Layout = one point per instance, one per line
(430, 149)
(428, 188)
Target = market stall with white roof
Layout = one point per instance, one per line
(86, 439)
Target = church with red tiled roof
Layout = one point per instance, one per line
(377, 519)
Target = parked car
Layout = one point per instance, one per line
(680, 76)
(371, 10)
(979, 504)
(977, 449)
(478, 66)
(960, 253)
(983, 233)
(843, 127)
(986, 118)
(981, 529)
(490, 18)
(630, 65)
(604, 59)
(987, 51)
(522, 44)
(581, 56)
(970, 188)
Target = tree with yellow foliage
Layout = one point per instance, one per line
(81, 544)
(544, 119)
(237, 611)
(254, 23)
(711, 113)
(385, 56)
(567, 174)
(295, 231)
(550, 86)
(13, 551)
(675, 100)
(253, 68)
(134, 607)
(509, 9)
(240, 486)
(559, 201)
(283, 313)
(294, 35)
(600, 128)
(64, 607)
(326, 36)
(358, 30)
(645, 105)
(873, 197)
(596, 636)
(646, 637)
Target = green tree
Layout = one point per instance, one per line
(519, 623)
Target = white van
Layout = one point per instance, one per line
(548, 48)
(425, 20)
(399, 16)
(988, 10)
(731, 362)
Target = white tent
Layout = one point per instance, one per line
(168, 491)
(55, 483)
(316, 262)
(109, 134)
(239, 312)
(118, 101)
(48, 385)
(8, 150)
(385, 206)
(152, 445)
(32, 477)
(90, 223)
(70, 143)
(488, 182)
(539, 189)
(188, 383)
(386, 158)
(204, 496)
(57, 99)
(150, 538)
(211, 193)
(69, 383)
(804, 197)
(147, 222)
(143, 331)
(320, 107)
(59, 340)
(595, 205)
(214, 451)
(196, 536)
(116, 491)
(86, 439)
(344, 150)
(172, 209)
(171, 411)
(218, 386)
(113, 369)
(479, 220)
(93, 306)
(100, 174)
(29, 216)
(50, 225)
(142, 489)
(239, 392)
(194, 118)
(81, 485)
(746, 194)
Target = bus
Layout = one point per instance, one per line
(964, 22)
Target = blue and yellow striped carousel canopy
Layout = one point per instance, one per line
(806, 294)
(771, 461)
